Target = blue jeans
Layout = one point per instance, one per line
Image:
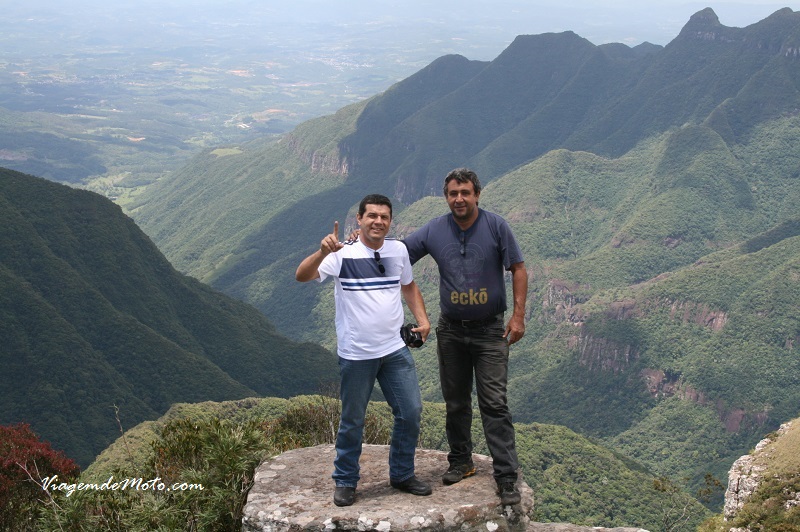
(397, 376)
(481, 350)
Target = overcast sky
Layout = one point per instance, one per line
(656, 21)
(601, 21)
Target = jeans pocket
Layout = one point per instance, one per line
(495, 330)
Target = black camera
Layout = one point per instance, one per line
(411, 338)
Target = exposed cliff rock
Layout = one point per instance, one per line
(602, 354)
(699, 313)
(319, 160)
(564, 302)
(294, 491)
(560, 302)
(662, 384)
(747, 473)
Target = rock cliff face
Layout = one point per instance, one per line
(319, 160)
(294, 491)
(563, 303)
(601, 354)
(747, 472)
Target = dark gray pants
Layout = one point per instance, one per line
(482, 351)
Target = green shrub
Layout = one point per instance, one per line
(212, 459)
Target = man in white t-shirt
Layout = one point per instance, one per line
(371, 273)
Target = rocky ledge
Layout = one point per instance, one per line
(294, 491)
(747, 473)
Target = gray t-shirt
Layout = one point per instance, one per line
(471, 263)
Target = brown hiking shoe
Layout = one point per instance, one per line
(458, 472)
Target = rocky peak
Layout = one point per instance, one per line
(706, 18)
(703, 25)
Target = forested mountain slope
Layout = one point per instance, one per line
(94, 318)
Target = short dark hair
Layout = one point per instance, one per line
(463, 175)
(374, 199)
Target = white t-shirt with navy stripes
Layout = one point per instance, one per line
(369, 308)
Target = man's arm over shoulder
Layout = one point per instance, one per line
(416, 243)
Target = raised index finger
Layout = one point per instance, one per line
(336, 228)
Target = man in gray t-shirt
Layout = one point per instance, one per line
(471, 262)
(473, 248)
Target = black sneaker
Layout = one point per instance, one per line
(458, 472)
(344, 496)
(413, 486)
(509, 494)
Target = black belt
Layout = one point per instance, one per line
(474, 323)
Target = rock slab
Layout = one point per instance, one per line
(294, 492)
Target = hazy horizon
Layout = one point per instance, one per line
(468, 26)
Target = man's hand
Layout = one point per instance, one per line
(515, 329)
(330, 244)
(416, 305)
(354, 234)
(424, 330)
(309, 268)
